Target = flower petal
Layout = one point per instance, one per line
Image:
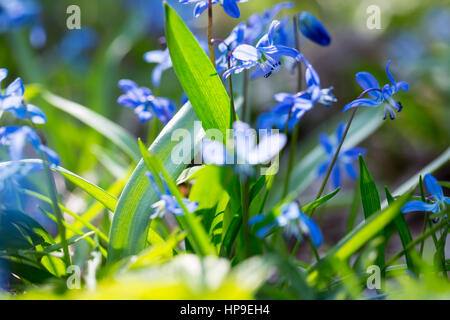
(246, 52)
(362, 102)
(269, 147)
(231, 8)
(326, 143)
(433, 187)
(367, 81)
(416, 205)
(313, 29)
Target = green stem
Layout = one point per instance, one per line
(245, 111)
(210, 26)
(233, 108)
(245, 190)
(54, 199)
(333, 162)
(421, 238)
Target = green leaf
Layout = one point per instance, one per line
(102, 196)
(196, 233)
(403, 232)
(371, 203)
(352, 242)
(369, 193)
(131, 219)
(320, 201)
(197, 75)
(115, 133)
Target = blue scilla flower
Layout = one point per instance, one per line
(11, 100)
(294, 222)
(230, 6)
(258, 23)
(313, 29)
(163, 62)
(245, 153)
(265, 56)
(345, 158)
(236, 38)
(439, 201)
(167, 202)
(297, 104)
(144, 103)
(16, 139)
(368, 82)
(76, 44)
(18, 13)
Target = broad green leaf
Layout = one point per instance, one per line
(115, 133)
(196, 232)
(352, 242)
(197, 75)
(131, 219)
(403, 232)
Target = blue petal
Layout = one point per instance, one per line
(154, 185)
(264, 231)
(127, 85)
(36, 115)
(314, 230)
(164, 109)
(354, 153)
(351, 171)
(323, 167)
(311, 76)
(336, 176)
(402, 85)
(277, 8)
(326, 143)
(416, 205)
(340, 132)
(246, 52)
(200, 8)
(52, 156)
(391, 78)
(256, 219)
(433, 187)
(313, 29)
(155, 56)
(362, 102)
(3, 74)
(368, 81)
(15, 88)
(231, 8)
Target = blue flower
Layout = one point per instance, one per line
(167, 202)
(16, 138)
(345, 158)
(244, 153)
(230, 6)
(257, 23)
(313, 29)
(236, 38)
(11, 100)
(75, 45)
(15, 14)
(439, 201)
(368, 82)
(297, 104)
(265, 56)
(294, 222)
(163, 61)
(143, 102)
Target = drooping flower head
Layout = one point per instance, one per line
(367, 81)
(345, 158)
(294, 106)
(245, 153)
(313, 29)
(438, 200)
(229, 6)
(163, 62)
(265, 56)
(294, 222)
(167, 202)
(144, 103)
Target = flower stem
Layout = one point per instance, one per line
(245, 116)
(210, 26)
(294, 137)
(245, 189)
(233, 108)
(333, 162)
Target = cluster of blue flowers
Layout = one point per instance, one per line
(16, 138)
